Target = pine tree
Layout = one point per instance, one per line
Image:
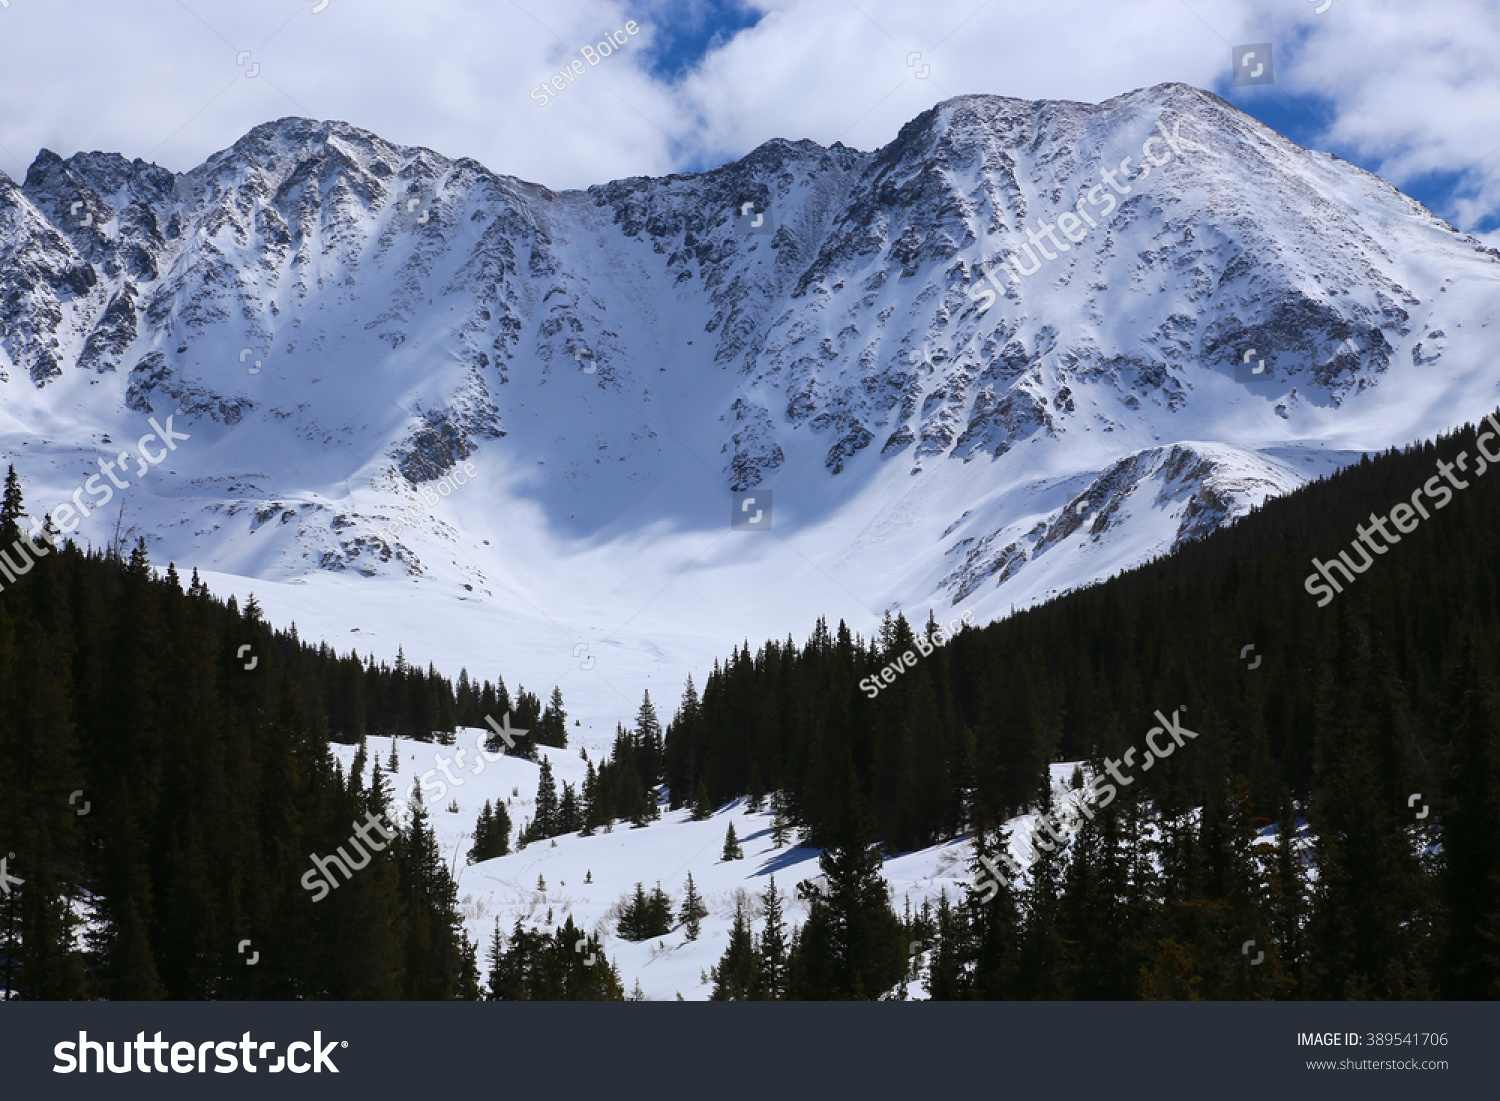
(544, 822)
(590, 811)
(703, 809)
(1362, 927)
(755, 789)
(501, 831)
(659, 912)
(1038, 960)
(851, 946)
(495, 957)
(484, 827)
(781, 825)
(12, 508)
(566, 966)
(648, 741)
(434, 963)
(502, 704)
(732, 850)
(554, 722)
(773, 947)
(646, 916)
(693, 910)
(983, 930)
(681, 749)
(1288, 892)
(735, 976)
(469, 989)
(567, 811)
(950, 949)
(491, 834)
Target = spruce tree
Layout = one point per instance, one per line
(950, 948)
(434, 963)
(491, 834)
(851, 946)
(659, 913)
(648, 739)
(781, 825)
(589, 812)
(703, 809)
(565, 966)
(12, 508)
(735, 975)
(484, 827)
(1364, 921)
(977, 944)
(732, 850)
(693, 910)
(755, 789)
(495, 957)
(544, 822)
(681, 749)
(632, 918)
(1039, 958)
(501, 831)
(567, 810)
(772, 954)
(554, 722)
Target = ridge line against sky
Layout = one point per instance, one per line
(1408, 92)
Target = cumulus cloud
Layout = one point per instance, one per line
(1411, 93)
(1416, 92)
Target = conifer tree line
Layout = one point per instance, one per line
(564, 965)
(624, 786)
(491, 833)
(646, 915)
(1350, 711)
(208, 784)
(204, 786)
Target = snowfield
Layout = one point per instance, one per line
(664, 851)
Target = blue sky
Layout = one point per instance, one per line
(1308, 117)
(691, 30)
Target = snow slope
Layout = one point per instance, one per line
(665, 851)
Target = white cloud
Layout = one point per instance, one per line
(1417, 91)
(158, 78)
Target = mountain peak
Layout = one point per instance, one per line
(342, 323)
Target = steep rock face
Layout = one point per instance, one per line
(327, 308)
(1174, 494)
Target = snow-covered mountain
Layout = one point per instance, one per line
(547, 399)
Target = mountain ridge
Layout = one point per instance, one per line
(342, 321)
